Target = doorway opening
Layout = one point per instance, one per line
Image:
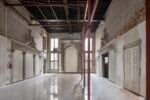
(105, 65)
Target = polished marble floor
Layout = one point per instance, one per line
(61, 87)
(105, 90)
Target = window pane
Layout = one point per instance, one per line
(56, 56)
(56, 43)
(52, 44)
(52, 57)
(91, 56)
(86, 44)
(56, 65)
(86, 65)
(86, 56)
(91, 64)
(91, 44)
(52, 65)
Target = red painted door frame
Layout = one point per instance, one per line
(147, 49)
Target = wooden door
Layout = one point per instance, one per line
(17, 66)
(132, 69)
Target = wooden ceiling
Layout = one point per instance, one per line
(63, 15)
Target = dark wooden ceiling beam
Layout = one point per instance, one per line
(41, 12)
(78, 17)
(44, 5)
(67, 13)
(53, 11)
(71, 20)
(85, 15)
(54, 25)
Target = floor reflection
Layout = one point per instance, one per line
(86, 94)
(62, 87)
(44, 87)
(86, 88)
(54, 88)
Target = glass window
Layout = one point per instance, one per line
(91, 64)
(52, 65)
(91, 47)
(52, 45)
(91, 56)
(54, 53)
(88, 52)
(86, 44)
(56, 65)
(56, 56)
(56, 43)
(86, 56)
(86, 65)
(52, 57)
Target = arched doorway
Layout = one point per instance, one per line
(71, 59)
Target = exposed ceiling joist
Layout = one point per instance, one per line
(67, 13)
(54, 13)
(71, 20)
(75, 12)
(78, 17)
(42, 13)
(85, 15)
(53, 10)
(55, 25)
(44, 5)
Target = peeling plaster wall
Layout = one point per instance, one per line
(98, 35)
(4, 60)
(14, 27)
(37, 33)
(119, 13)
(138, 32)
(127, 24)
(116, 56)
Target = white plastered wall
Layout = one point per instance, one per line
(116, 61)
(4, 60)
(98, 35)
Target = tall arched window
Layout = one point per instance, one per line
(88, 51)
(54, 55)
